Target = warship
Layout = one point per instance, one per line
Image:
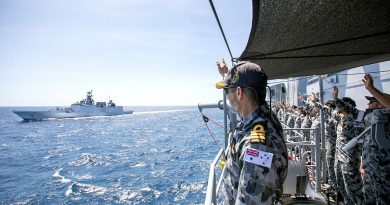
(84, 108)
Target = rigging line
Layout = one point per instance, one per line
(211, 134)
(284, 81)
(206, 119)
(317, 56)
(220, 27)
(322, 44)
(357, 81)
(383, 71)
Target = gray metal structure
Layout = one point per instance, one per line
(302, 38)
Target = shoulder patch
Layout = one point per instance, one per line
(258, 157)
(257, 134)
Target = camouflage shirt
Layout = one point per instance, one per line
(346, 130)
(249, 183)
(291, 120)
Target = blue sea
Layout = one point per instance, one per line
(158, 155)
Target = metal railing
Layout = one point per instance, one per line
(297, 150)
(307, 150)
(301, 150)
(212, 189)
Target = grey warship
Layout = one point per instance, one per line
(84, 108)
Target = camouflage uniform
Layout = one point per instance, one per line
(287, 114)
(315, 123)
(281, 114)
(247, 183)
(376, 165)
(298, 121)
(306, 123)
(330, 145)
(348, 179)
(291, 120)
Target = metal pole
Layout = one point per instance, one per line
(280, 93)
(318, 160)
(323, 153)
(225, 113)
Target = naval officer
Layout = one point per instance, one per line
(256, 155)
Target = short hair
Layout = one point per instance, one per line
(257, 96)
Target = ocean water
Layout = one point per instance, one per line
(158, 155)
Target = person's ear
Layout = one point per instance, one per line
(239, 93)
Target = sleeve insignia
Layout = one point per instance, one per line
(257, 134)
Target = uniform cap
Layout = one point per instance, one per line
(371, 99)
(245, 74)
(349, 101)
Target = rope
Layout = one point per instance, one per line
(358, 81)
(205, 120)
(299, 78)
(220, 28)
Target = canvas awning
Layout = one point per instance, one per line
(298, 38)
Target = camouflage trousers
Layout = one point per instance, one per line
(348, 180)
(376, 179)
(330, 147)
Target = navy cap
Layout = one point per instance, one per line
(245, 74)
(371, 99)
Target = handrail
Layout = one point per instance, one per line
(211, 191)
(213, 188)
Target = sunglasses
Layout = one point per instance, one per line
(226, 90)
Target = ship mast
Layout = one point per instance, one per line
(90, 100)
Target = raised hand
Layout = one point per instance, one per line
(222, 68)
(313, 97)
(368, 81)
(335, 94)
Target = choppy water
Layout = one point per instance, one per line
(158, 155)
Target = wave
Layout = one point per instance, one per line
(182, 190)
(145, 194)
(79, 188)
(62, 178)
(90, 159)
(141, 164)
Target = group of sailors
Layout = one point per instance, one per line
(361, 174)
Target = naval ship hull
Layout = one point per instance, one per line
(82, 111)
(84, 108)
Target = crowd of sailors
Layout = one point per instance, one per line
(360, 175)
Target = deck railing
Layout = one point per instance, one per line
(308, 152)
(212, 189)
(297, 149)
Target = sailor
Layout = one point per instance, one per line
(382, 97)
(287, 114)
(311, 113)
(292, 116)
(298, 119)
(330, 139)
(257, 154)
(306, 123)
(281, 112)
(315, 118)
(348, 179)
(376, 165)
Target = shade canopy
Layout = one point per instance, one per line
(291, 38)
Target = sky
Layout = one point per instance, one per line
(135, 52)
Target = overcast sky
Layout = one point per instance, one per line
(136, 52)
